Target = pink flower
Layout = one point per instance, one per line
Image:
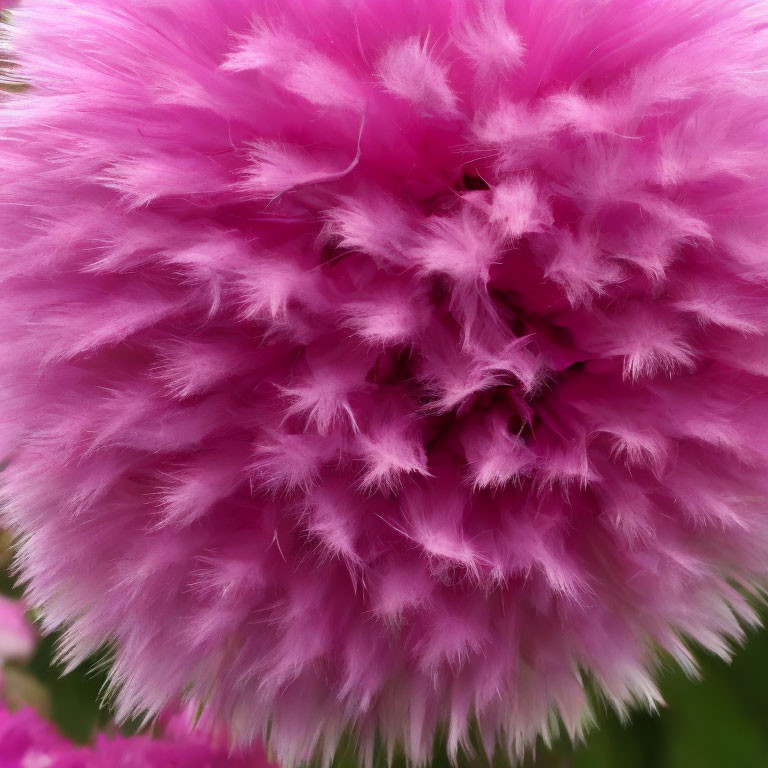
(26, 741)
(18, 638)
(383, 363)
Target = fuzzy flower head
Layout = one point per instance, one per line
(384, 364)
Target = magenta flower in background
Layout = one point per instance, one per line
(378, 364)
(18, 637)
(18, 642)
(27, 741)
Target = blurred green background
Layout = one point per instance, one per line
(721, 722)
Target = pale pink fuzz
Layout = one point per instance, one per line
(382, 364)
